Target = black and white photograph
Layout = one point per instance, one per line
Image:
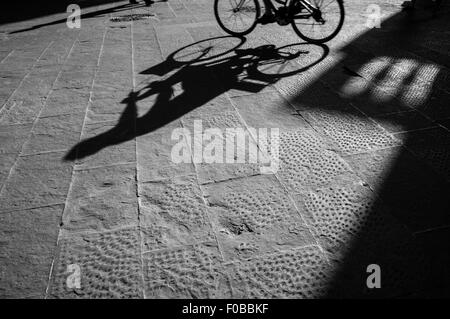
(225, 154)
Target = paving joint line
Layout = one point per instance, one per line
(136, 172)
(42, 152)
(72, 174)
(24, 208)
(7, 56)
(68, 234)
(80, 167)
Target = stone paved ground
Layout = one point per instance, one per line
(86, 176)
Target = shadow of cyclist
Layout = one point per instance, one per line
(199, 85)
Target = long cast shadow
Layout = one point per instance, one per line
(200, 85)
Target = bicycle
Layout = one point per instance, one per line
(322, 19)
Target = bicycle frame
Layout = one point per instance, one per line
(311, 10)
(306, 4)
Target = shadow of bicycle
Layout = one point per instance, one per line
(196, 69)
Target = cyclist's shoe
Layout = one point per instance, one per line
(266, 18)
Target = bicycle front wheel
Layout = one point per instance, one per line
(237, 17)
(317, 21)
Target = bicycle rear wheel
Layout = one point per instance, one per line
(322, 24)
(237, 17)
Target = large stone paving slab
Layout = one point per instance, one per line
(339, 214)
(36, 180)
(254, 216)
(28, 243)
(173, 212)
(309, 161)
(192, 272)
(155, 154)
(109, 265)
(351, 131)
(102, 199)
(89, 182)
(296, 273)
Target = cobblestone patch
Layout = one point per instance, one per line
(191, 272)
(240, 165)
(109, 266)
(104, 143)
(54, 133)
(66, 101)
(12, 138)
(296, 273)
(351, 132)
(131, 17)
(309, 161)
(338, 215)
(6, 162)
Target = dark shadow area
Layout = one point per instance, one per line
(197, 67)
(83, 15)
(15, 11)
(407, 229)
